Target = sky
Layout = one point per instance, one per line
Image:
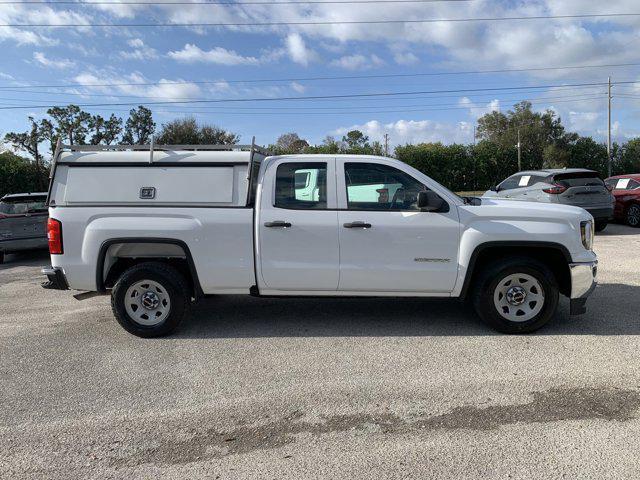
(429, 64)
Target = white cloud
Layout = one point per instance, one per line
(60, 63)
(477, 110)
(139, 51)
(358, 62)
(135, 84)
(218, 55)
(297, 49)
(297, 87)
(414, 131)
(406, 58)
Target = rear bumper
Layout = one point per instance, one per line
(601, 213)
(584, 278)
(56, 279)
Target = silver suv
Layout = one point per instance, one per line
(23, 222)
(571, 186)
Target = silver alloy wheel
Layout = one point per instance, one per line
(633, 215)
(147, 303)
(518, 297)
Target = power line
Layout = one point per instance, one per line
(323, 78)
(317, 97)
(282, 108)
(321, 22)
(227, 3)
(353, 112)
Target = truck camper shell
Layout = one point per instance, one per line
(176, 175)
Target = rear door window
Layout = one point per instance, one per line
(301, 186)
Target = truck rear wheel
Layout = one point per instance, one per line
(150, 299)
(516, 295)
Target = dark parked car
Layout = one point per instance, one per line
(626, 189)
(570, 186)
(23, 221)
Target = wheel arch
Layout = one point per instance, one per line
(555, 255)
(118, 254)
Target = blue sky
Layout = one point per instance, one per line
(160, 63)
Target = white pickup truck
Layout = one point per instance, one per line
(161, 227)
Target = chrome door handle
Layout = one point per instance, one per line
(277, 224)
(357, 225)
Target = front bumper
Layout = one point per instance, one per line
(584, 278)
(56, 279)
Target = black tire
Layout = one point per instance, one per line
(174, 286)
(633, 215)
(601, 225)
(489, 280)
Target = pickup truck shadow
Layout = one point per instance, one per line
(612, 310)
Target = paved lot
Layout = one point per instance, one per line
(254, 388)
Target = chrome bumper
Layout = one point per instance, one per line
(584, 278)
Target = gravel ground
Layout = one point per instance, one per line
(266, 388)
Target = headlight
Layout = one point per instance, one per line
(586, 234)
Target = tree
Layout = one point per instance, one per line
(28, 141)
(18, 174)
(629, 158)
(355, 142)
(70, 124)
(186, 131)
(290, 143)
(537, 132)
(587, 153)
(139, 127)
(104, 131)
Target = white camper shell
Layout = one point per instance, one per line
(202, 175)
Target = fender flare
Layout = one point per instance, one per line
(505, 244)
(172, 241)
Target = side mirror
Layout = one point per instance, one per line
(495, 188)
(429, 201)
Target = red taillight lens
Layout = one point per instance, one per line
(54, 234)
(555, 190)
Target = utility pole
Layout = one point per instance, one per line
(609, 132)
(386, 144)
(519, 152)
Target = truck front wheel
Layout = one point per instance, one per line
(516, 295)
(150, 299)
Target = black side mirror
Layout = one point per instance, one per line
(429, 201)
(495, 188)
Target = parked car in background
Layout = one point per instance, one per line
(626, 190)
(568, 186)
(23, 222)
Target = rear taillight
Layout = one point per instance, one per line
(556, 189)
(54, 234)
